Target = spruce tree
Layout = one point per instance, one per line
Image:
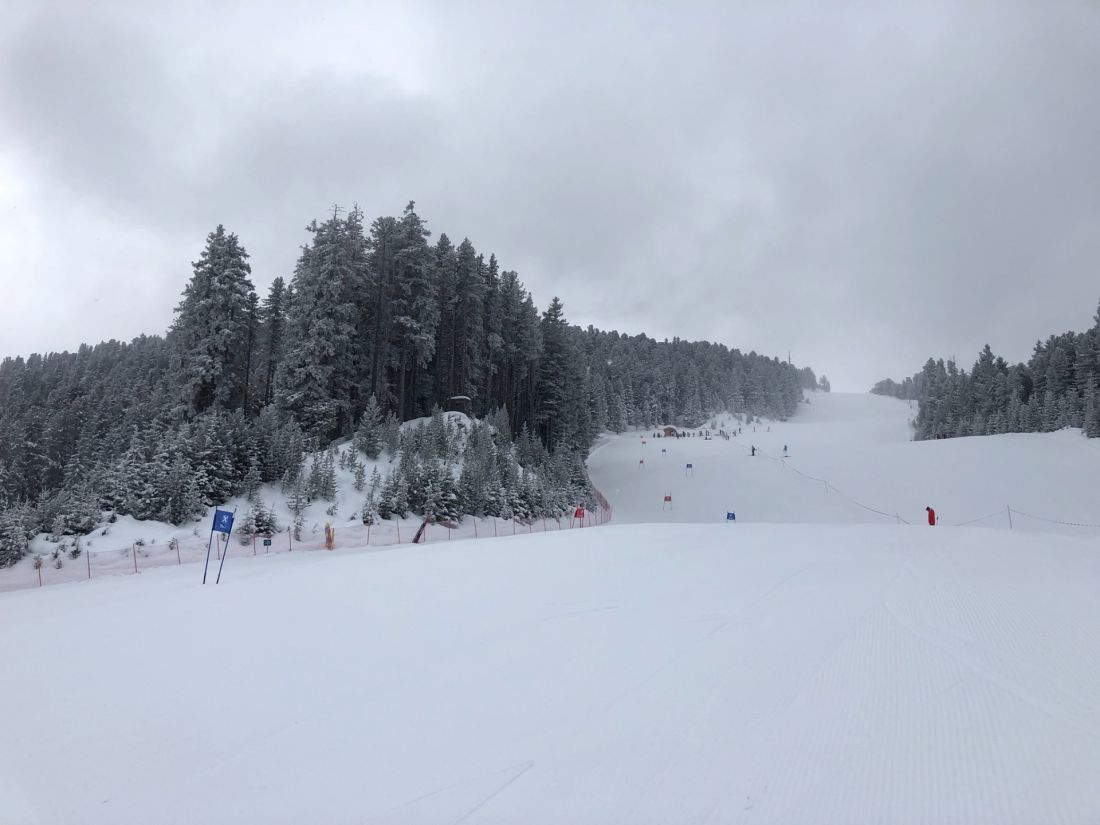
(321, 374)
(15, 533)
(555, 374)
(368, 438)
(272, 333)
(212, 332)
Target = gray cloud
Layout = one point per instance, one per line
(863, 186)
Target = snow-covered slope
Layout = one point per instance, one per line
(815, 672)
(631, 674)
(860, 445)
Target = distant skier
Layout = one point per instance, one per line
(931, 516)
(754, 450)
(784, 451)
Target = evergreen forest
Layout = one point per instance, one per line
(378, 324)
(1058, 387)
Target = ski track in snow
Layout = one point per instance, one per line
(834, 669)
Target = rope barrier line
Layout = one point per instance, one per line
(974, 520)
(870, 509)
(1053, 520)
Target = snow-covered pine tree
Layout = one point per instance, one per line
(1091, 415)
(272, 338)
(181, 499)
(402, 262)
(208, 443)
(321, 373)
(445, 505)
(393, 495)
(437, 437)
(501, 423)
(212, 331)
(15, 533)
(368, 437)
(258, 520)
(556, 371)
(252, 481)
(391, 434)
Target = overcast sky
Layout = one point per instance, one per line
(860, 185)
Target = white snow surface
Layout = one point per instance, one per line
(799, 666)
(860, 445)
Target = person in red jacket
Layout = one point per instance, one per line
(931, 516)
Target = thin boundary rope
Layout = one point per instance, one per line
(1053, 520)
(973, 520)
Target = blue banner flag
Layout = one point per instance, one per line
(731, 516)
(223, 522)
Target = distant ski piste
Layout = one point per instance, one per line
(851, 460)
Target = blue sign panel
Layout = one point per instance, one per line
(223, 522)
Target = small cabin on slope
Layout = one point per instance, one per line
(669, 432)
(460, 403)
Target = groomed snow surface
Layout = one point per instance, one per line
(815, 662)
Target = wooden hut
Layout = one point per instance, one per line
(460, 403)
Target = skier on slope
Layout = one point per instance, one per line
(931, 516)
(754, 449)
